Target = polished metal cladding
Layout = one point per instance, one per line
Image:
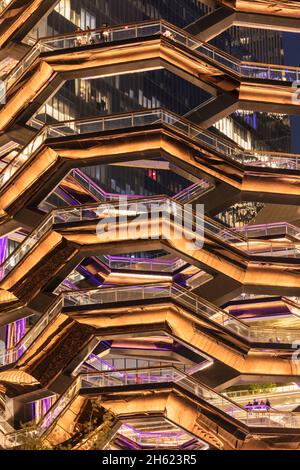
(206, 66)
(203, 311)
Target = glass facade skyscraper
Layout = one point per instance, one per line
(149, 255)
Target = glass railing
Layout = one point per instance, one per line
(151, 205)
(188, 194)
(270, 230)
(193, 192)
(21, 67)
(10, 356)
(283, 161)
(123, 378)
(94, 189)
(60, 405)
(80, 213)
(270, 72)
(25, 247)
(188, 300)
(78, 39)
(153, 376)
(277, 247)
(142, 264)
(159, 438)
(273, 248)
(22, 158)
(142, 30)
(261, 418)
(122, 294)
(167, 375)
(155, 206)
(143, 118)
(74, 128)
(17, 438)
(211, 227)
(247, 158)
(169, 31)
(103, 296)
(266, 392)
(102, 365)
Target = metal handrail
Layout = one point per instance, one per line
(185, 298)
(264, 418)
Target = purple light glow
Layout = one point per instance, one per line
(142, 260)
(101, 361)
(40, 407)
(14, 333)
(175, 433)
(3, 249)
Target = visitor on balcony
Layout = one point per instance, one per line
(78, 40)
(168, 34)
(105, 32)
(88, 37)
